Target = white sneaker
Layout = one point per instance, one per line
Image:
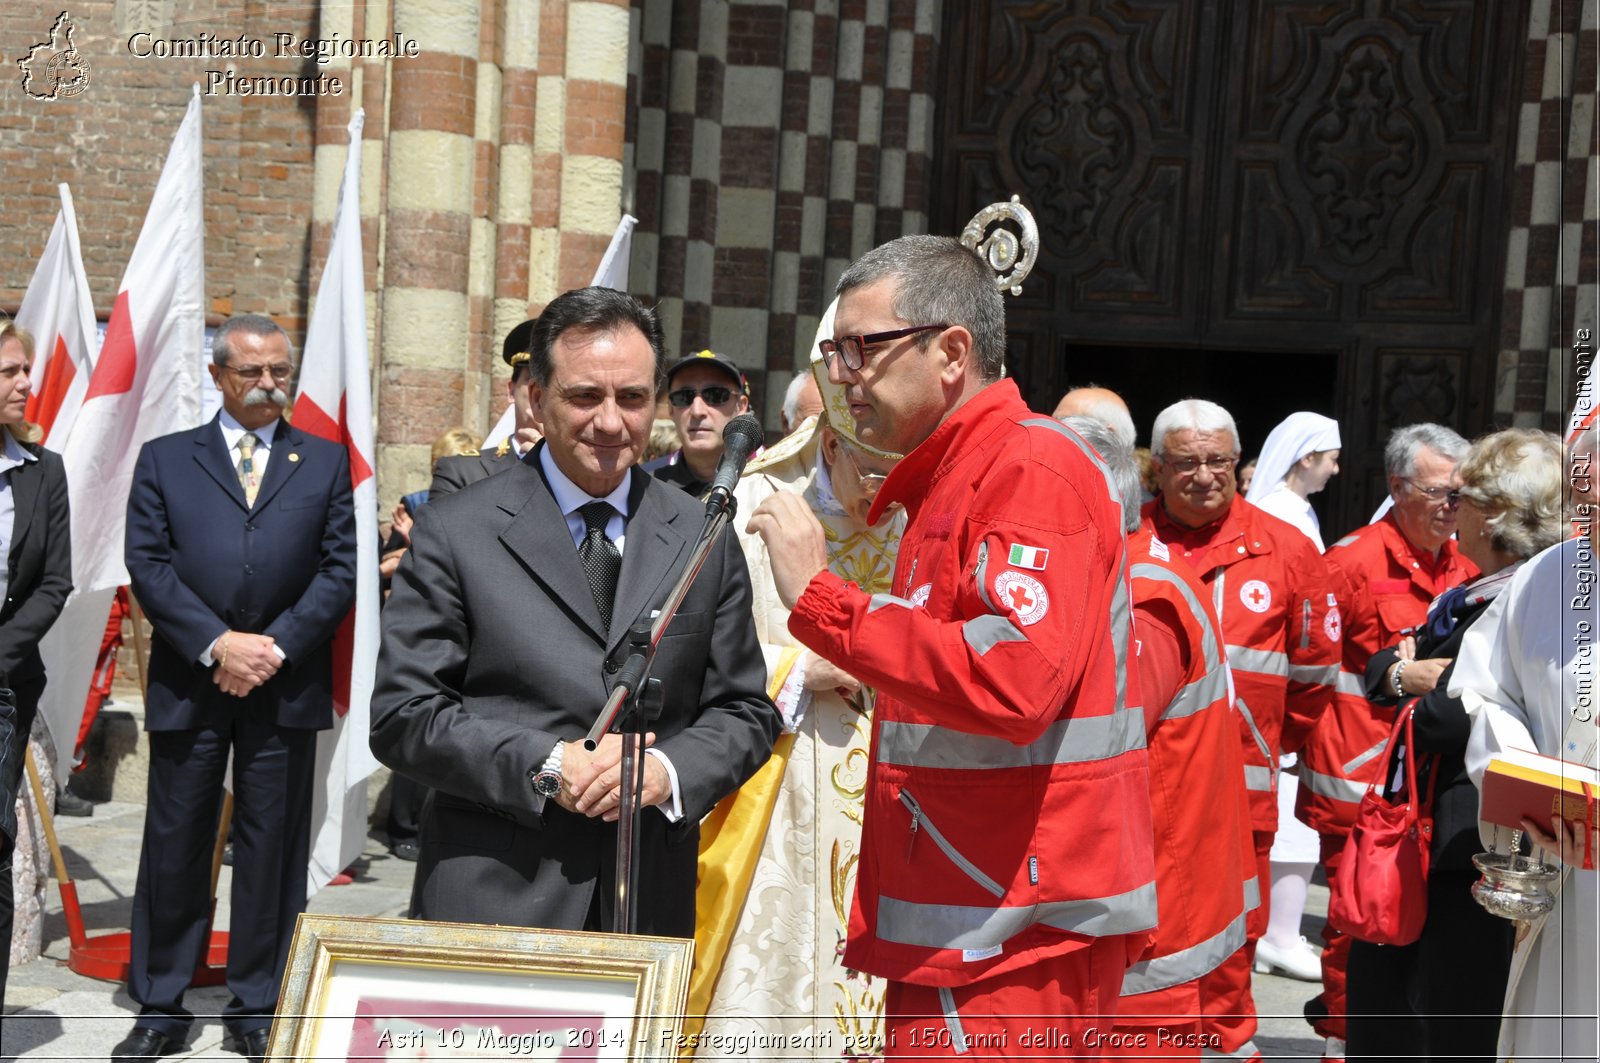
(1333, 1049)
(1299, 960)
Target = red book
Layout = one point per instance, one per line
(1519, 784)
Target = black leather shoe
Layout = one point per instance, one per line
(70, 804)
(145, 1044)
(407, 850)
(252, 1044)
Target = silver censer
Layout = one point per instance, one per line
(1514, 886)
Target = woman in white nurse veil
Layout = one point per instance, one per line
(1526, 675)
(1298, 459)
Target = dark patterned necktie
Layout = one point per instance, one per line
(602, 561)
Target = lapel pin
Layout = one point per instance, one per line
(293, 456)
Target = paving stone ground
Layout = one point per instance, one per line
(53, 1013)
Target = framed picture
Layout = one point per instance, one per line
(380, 989)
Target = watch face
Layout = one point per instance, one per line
(547, 784)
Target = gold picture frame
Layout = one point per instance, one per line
(360, 988)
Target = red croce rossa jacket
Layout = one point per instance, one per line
(1007, 806)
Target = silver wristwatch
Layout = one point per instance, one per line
(547, 780)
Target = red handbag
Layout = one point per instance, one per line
(1380, 891)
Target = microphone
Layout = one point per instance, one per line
(740, 437)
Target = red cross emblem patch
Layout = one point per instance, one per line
(1023, 595)
(1256, 596)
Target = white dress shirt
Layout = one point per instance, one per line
(232, 432)
(570, 498)
(11, 456)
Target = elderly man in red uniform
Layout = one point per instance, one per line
(1177, 1002)
(1384, 575)
(1006, 876)
(1273, 599)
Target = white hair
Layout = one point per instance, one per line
(1198, 415)
(1400, 453)
(1120, 462)
(791, 398)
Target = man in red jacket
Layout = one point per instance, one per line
(1180, 1000)
(1273, 599)
(1006, 871)
(1384, 575)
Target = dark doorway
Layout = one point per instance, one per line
(1217, 181)
(1259, 388)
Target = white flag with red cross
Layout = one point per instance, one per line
(145, 384)
(335, 403)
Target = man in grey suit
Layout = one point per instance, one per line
(452, 474)
(505, 630)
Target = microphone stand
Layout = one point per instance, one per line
(636, 699)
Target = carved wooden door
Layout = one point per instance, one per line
(1318, 187)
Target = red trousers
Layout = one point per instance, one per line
(1228, 1010)
(1224, 1028)
(1062, 1007)
(1335, 954)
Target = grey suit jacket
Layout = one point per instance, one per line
(493, 652)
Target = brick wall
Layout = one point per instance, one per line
(110, 141)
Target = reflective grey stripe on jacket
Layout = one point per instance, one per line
(1350, 683)
(1331, 787)
(1258, 777)
(1211, 687)
(1185, 965)
(1319, 674)
(1275, 663)
(1366, 756)
(958, 926)
(1261, 662)
(1076, 740)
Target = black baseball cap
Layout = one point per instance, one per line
(711, 359)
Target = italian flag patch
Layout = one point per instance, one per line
(1028, 557)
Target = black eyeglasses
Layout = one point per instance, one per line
(715, 395)
(853, 349)
(255, 372)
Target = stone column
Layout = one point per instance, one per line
(427, 243)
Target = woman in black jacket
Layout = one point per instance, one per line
(1441, 997)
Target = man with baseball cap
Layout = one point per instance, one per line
(704, 391)
(453, 473)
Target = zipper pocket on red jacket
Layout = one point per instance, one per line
(921, 823)
(1305, 624)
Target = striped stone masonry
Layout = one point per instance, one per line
(1551, 259)
(774, 142)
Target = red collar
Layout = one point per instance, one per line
(980, 416)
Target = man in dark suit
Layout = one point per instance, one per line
(507, 625)
(452, 474)
(241, 546)
(36, 538)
